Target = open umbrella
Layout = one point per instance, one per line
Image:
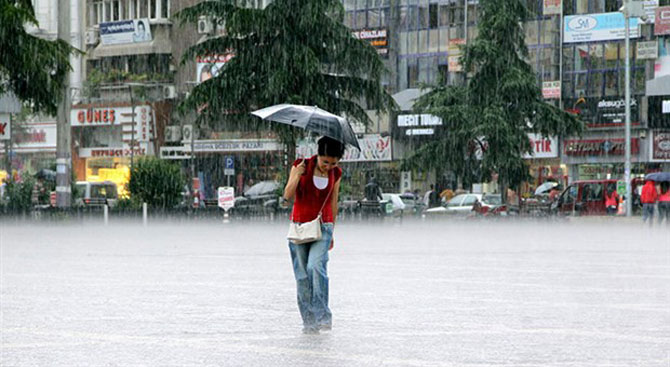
(313, 119)
(659, 177)
(545, 187)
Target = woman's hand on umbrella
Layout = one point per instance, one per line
(299, 170)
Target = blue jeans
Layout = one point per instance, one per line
(311, 276)
(648, 212)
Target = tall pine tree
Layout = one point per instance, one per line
(32, 68)
(500, 104)
(292, 51)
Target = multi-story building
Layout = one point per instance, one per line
(128, 93)
(581, 71)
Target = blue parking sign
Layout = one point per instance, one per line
(230, 162)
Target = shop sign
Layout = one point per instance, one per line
(598, 27)
(661, 146)
(5, 127)
(208, 67)
(36, 137)
(237, 145)
(647, 50)
(662, 21)
(552, 7)
(543, 147)
(226, 196)
(110, 152)
(666, 107)
(597, 147)
(419, 124)
(604, 112)
(551, 90)
(125, 31)
(374, 148)
(178, 152)
(649, 7)
(100, 116)
(454, 53)
(378, 38)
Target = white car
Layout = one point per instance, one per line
(462, 204)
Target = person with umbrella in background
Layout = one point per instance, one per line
(648, 199)
(664, 203)
(314, 183)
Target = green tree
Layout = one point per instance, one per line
(499, 105)
(292, 51)
(157, 182)
(34, 69)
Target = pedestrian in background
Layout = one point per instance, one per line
(611, 200)
(429, 197)
(314, 183)
(648, 199)
(664, 203)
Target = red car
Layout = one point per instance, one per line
(588, 197)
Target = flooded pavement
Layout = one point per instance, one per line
(402, 294)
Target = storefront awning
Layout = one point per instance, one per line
(659, 86)
(157, 46)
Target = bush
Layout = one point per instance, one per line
(18, 195)
(157, 182)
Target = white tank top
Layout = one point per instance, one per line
(320, 182)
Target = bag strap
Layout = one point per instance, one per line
(328, 196)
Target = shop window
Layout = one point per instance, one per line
(531, 29)
(611, 85)
(582, 6)
(567, 86)
(472, 13)
(581, 58)
(638, 81)
(580, 85)
(611, 55)
(595, 84)
(349, 4)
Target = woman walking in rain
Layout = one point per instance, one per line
(314, 184)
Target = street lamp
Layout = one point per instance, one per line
(635, 9)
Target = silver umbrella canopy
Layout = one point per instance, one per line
(313, 119)
(659, 177)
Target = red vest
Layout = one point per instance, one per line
(309, 199)
(612, 200)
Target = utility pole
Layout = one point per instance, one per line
(630, 9)
(63, 145)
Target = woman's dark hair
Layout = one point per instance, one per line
(330, 147)
(665, 186)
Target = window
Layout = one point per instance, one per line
(433, 16)
(469, 200)
(413, 74)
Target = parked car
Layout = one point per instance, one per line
(96, 194)
(588, 197)
(462, 204)
(259, 198)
